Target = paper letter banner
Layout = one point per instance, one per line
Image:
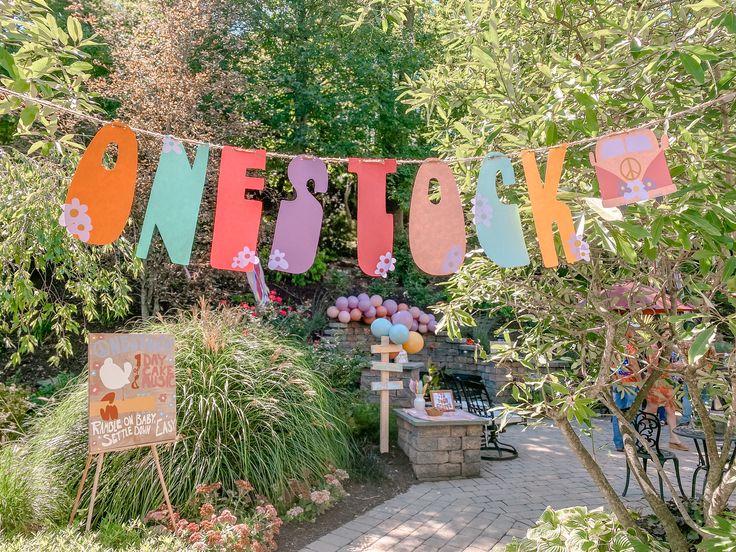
(237, 220)
(375, 226)
(547, 209)
(631, 167)
(300, 219)
(498, 225)
(436, 230)
(173, 207)
(132, 391)
(98, 202)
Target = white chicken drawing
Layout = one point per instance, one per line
(113, 377)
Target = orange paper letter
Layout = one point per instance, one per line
(546, 208)
(436, 230)
(237, 220)
(99, 199)
(375, 226)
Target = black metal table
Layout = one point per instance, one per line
(698, 437)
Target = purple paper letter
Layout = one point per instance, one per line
(300, 219)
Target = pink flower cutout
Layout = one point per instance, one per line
(172, 145)
(75, 219)
(453, 259)
(579, 248)
(482, 211)
(386, 264)
(244, 258)
(277, 260)
(162, 397)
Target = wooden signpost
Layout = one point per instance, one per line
(132, 402)
(385, 385)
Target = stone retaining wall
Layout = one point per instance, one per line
(440, 350)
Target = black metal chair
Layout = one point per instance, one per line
(650, 429)
(452, 382)
(478, 402)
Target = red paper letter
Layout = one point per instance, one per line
(99, 199)
(436, 230)
(237, 220)
(375, 226)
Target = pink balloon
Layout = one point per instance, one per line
(415, 312)
(414, 326)
(422, 328)
(333, 311)
(376, 300)
(432, 318)
(402, 317)
(403, 306)
(363, 296)
(364, 304)
(381, 312)
(391, 306)
(370, 312)
(356, 314)
(344, 317)
(424, 318)
(432, 326)
(352, 301)
(342, 303)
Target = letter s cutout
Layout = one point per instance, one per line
(299, 222)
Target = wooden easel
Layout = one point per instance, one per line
(96, 480)
(385, 366)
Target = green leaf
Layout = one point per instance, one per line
(7, 62)
(693, 67)
(550, 136)
(704, 5)
(700, 344)
(700, 222)
(28, 115)
(74, 28)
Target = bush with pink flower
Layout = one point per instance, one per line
(222, 520)
(321, 498)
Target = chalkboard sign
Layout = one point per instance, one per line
(132, 391)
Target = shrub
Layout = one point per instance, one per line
(124, 538)
(579, 529)
(14, 405)
(250, 406)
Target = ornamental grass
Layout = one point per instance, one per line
(250, 405)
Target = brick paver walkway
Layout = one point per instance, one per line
(483, 514)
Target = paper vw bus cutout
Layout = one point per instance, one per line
(631, 167)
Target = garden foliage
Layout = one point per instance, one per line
(250, 406)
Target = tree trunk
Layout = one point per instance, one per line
(595, 471)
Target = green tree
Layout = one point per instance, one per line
(520, 75)
(51, 286)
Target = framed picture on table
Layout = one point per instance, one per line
(443, 399)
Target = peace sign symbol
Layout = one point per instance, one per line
(630, 168)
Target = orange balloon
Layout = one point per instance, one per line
(369, 321)
(414, 344)
(393, 355)
(100, 198)
(356, 314)
(381, 312)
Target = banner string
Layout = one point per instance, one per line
(724, 99)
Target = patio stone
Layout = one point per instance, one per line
(484, 512)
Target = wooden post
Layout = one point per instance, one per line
(163, 486)
(81, 488)
(385, 385)
(95, 481)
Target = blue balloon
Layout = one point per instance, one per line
(399, 334)
(380, 327)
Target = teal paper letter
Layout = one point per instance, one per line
(498, 225)
(173, 207)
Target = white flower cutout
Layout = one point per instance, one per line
(277, 260)
(386, 264)
(245, 258)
